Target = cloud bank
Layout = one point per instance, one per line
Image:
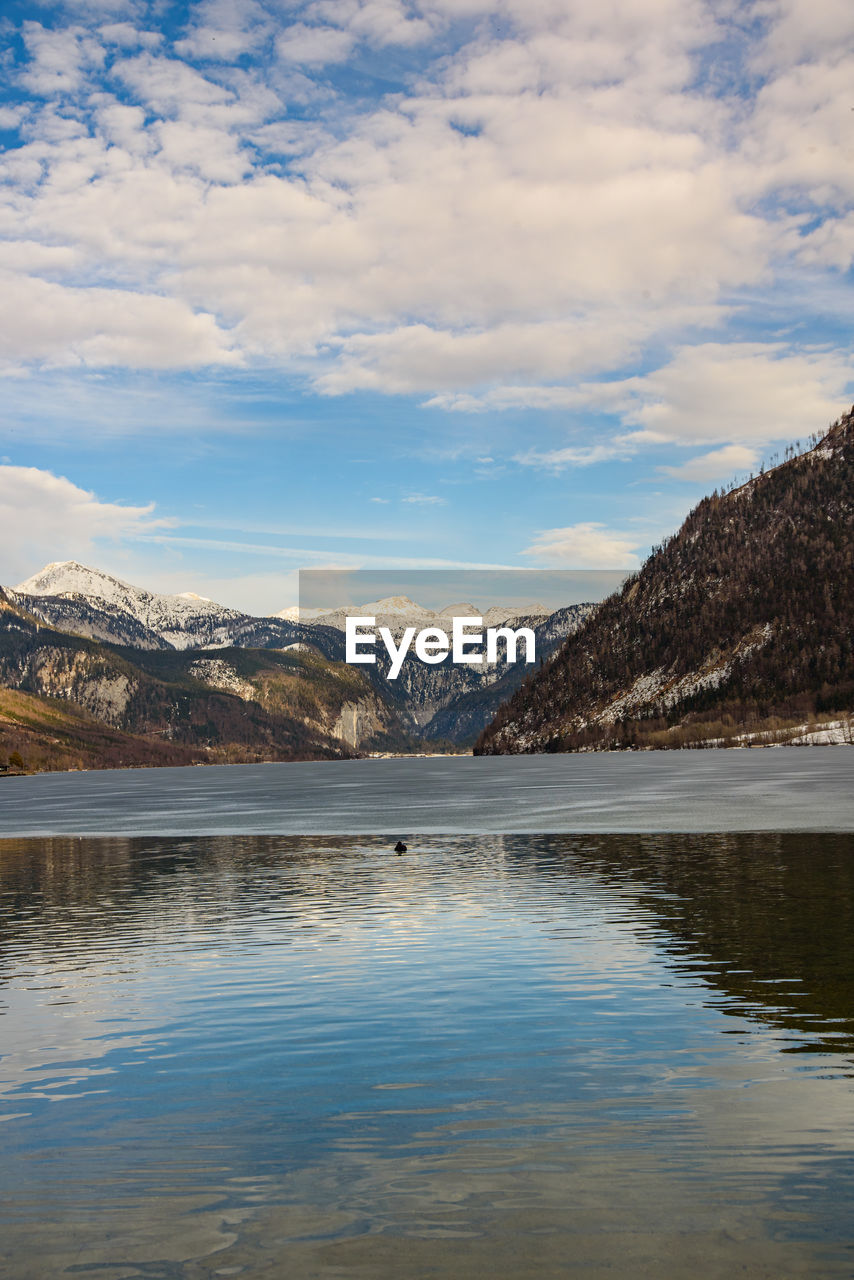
(521, 203)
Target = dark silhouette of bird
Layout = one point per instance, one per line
(400, 847)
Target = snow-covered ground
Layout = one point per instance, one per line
(834, 732)
(829, 733)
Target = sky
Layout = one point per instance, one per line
(307, 284)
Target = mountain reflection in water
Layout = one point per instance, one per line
(521, 1055)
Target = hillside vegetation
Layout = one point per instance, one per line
(741, 622)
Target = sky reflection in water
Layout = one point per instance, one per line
(505, 1055)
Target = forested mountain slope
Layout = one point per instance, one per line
(740, 622)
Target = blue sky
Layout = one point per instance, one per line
(356, 283)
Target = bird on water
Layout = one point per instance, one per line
(400, 847)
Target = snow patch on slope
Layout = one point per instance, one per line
(220, 675)
(659, 687)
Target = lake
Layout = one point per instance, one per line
(785, 789)
(497, 1055)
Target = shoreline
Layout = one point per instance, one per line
(433, 755)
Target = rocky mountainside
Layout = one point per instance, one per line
(71, 701)
(446, 702)
(462, 715)
(431, 703)
(452, 703)
(741, 623)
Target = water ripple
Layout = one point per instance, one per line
(220, 1051)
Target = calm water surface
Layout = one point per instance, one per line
(492, 1056)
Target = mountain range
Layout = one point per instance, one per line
(399, 612)
(72, 597)
(70, 701)
(178, 678)
(736, 631)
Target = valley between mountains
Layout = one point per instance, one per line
(737, 631)
(95, 672)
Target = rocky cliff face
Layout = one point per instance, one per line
(741, 623)
(358, 722)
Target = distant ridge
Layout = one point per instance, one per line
(397, 612)
(447, 703)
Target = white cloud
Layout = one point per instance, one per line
(560, 459)
(59, 59)
(418, 357)
(101, 9)
(48, 322)
(803, 30)
(557, 239)
(799, 142)
(738, 394)
(718, 464)
(30, 255)
(222, 30)
(169, 86)
(549, 198)
(829, 245)
(11, 117)
(425, 500)
(124, 126)
(212, 153)
(744, 393)
(525, 397)
(378, 22)
(127, 36)
(44, 517)
(314, 46)
(587, 545)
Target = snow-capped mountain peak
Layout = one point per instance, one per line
(398, 612)
(293, 613)
(67, 577)
(177, 619)
(458, 611)
(393, 607)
